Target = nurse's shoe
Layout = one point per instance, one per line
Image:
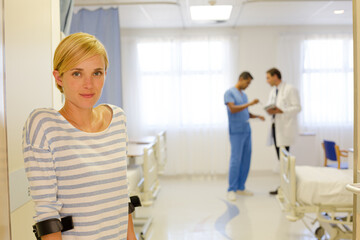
(245, 192)
(231, 196)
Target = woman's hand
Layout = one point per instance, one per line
(52, 236)
(131, 232)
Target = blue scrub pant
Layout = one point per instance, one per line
(239, 160)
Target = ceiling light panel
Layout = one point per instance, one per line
(206, 13)
(339, 11)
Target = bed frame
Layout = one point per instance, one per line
(151, 182)
(161, 151)
(136, 182)
(142, 169)
(330, 217)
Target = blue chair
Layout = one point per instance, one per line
(333, 153)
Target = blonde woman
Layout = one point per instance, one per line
(75, 158)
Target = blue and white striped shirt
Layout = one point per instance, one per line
(77, 173)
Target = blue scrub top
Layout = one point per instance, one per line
(238, 122)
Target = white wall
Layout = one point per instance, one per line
(31, 29)
(258, 49)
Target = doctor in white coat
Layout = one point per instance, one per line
(286, 105)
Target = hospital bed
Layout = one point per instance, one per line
(135, 184)
(161, 151)
(143, 155)
(142, 181)
(316, 191)
(160, 148)
(151, 181)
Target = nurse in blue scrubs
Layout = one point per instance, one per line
(240, 135)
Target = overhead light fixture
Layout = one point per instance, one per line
(339, 11)
(206, 13)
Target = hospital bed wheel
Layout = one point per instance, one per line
(319, 232)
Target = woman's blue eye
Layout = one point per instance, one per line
(99, 73)
(76, 74)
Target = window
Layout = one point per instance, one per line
(183, 82)
(327, 82)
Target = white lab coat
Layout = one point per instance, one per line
(286, 127)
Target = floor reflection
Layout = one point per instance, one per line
(197, 209)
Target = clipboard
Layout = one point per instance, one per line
(270, 106)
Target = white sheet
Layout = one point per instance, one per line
(323, 185)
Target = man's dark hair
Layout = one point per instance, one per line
(246, 76)
(274, 71)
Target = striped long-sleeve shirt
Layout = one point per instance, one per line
(77, 173)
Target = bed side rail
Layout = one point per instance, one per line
(287, 191)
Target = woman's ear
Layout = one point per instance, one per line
(57, 77)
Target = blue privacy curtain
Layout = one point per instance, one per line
(104, 24)
(66, 12)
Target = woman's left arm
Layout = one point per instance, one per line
(131, 232)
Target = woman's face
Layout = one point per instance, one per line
(82, 85)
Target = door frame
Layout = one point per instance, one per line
(5, 232)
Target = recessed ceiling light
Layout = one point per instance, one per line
(205, 13)
(339, 11)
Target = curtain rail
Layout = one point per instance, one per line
(127, 3)
(288, 1)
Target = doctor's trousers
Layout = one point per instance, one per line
(240, 140)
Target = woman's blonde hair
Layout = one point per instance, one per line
(76, 48)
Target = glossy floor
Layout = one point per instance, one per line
(197, 208)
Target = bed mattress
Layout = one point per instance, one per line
(323, 185)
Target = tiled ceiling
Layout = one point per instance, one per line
(175, 13)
